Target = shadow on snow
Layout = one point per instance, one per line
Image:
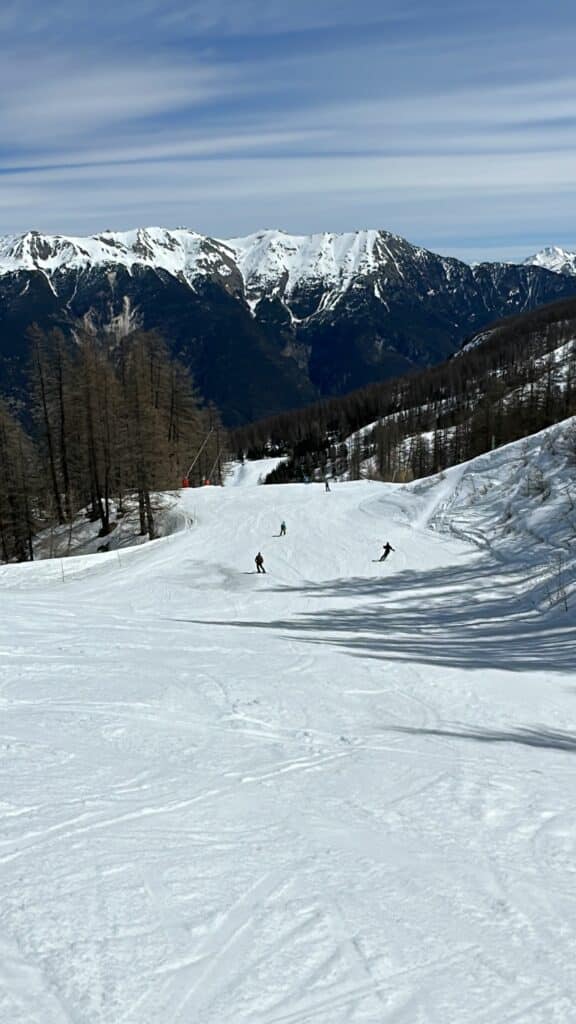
(475, 616)
(551, 739)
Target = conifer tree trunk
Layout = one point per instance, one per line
(40, 373)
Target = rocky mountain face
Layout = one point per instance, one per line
(268, 322)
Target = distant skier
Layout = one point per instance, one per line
(282, 529)
(326, 485)
(259, 563)
(387, 549)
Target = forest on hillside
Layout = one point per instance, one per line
(109, 424)
(514, 379)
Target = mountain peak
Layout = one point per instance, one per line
(553, 257)
(335, 258)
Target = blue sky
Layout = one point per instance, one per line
(453, 124)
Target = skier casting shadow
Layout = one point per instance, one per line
(259, 563)
(282, 529)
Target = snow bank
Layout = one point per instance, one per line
(517, 503)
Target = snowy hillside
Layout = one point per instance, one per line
(82, 535)
(337, 793)
(273, 261)
(246, 474)
(518, 506)
(553, 258)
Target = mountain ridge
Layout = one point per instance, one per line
(268, 321)
(335, 255)
(264, 262)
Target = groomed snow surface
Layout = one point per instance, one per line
(339, 793)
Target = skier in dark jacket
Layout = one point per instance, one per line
(259, 563)
(387, 549)
(282, 529)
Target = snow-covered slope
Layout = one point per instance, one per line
(246, 474)
(276, 262)
(518, 505)
(553, 258)
(340, 793)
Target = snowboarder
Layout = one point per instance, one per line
(387, 549)
(259, 563)
(282, 529)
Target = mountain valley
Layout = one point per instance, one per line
(268, 322)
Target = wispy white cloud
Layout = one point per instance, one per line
(179, 111)
(252, 17)
(212, 180)
(480, 107)
(55, 106)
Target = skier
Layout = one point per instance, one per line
(259, 563)
(387, 549)
(326, 484)
(282, 529)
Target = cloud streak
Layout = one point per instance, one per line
(214, 116)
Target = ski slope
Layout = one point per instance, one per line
(340, 793)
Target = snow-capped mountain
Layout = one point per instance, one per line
(265, 322)
(268, 262)
(553, 258)
(181, 253)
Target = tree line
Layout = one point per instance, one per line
(110, 421)
(518, 378)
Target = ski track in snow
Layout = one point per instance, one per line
(310, 797)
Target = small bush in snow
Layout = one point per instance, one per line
(556, 590)
(536, 485)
